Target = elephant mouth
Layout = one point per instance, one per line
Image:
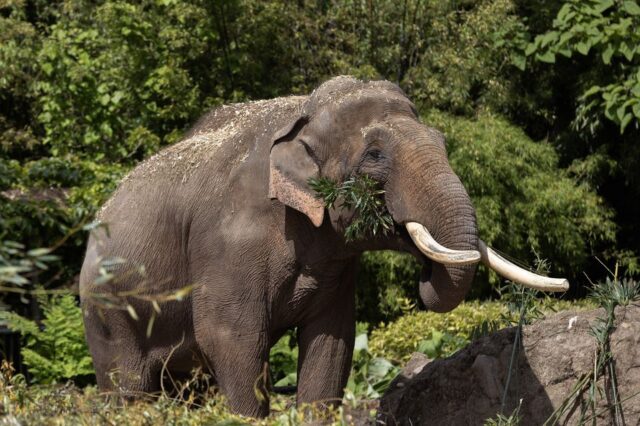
(418, 241)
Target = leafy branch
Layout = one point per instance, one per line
(361, 194)
(604, 29)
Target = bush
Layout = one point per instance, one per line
(399, 339)
(440, 335)
(57, 350)
(369, 378)
(387, 286)
(283, 360)
(370, 375)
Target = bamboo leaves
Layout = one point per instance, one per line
(362, 195)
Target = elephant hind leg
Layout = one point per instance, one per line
(121, 366)
(131, 376)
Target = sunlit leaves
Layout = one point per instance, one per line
(465, 58)
(114, 89)
(607, 30)
(17, 263)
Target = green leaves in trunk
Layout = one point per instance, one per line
(361, 194)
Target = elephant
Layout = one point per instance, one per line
(229, 213)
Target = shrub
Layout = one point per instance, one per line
(398, 339)
(370, 375)
(440, 335)
(283, 360)
(387, 286)
(369, 378)
(57, 350)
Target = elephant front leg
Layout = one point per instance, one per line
(326, 349)
(241, 370)
(235, 348)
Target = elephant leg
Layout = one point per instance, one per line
(234, 345)
(326, 347)
(130, 373)
(121, 364)
(240, 369)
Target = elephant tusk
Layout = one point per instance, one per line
(436, 252)
(516, 274)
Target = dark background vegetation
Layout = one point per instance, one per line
(539, 100)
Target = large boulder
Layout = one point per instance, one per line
(468, 387)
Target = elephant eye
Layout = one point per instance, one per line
(374, 154)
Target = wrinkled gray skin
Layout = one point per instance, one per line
(229, 210)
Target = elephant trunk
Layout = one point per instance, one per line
(427, 191)
(426, 196)
(453, 224)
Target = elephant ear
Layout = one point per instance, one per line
(291, 167)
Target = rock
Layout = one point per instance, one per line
(468, 387)
(414, 366)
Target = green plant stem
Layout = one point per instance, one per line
(514, 351)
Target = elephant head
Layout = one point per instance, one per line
(347, 128)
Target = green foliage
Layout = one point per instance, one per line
(16, 263)
(283, 361)
(464, 55)
(580, 92)
(49, 200)
(440, 345)
(502, 420)
(370, 375)
(100, 64)
(58, 350)
(525, 203)
(605, 29)
(360, 195)
(443, 334)
(387, 286)
(617, 292)
(398, 339)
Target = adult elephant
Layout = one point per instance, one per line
(230, 211)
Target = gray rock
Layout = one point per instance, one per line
(467, 388)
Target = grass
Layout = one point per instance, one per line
(67, 404)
